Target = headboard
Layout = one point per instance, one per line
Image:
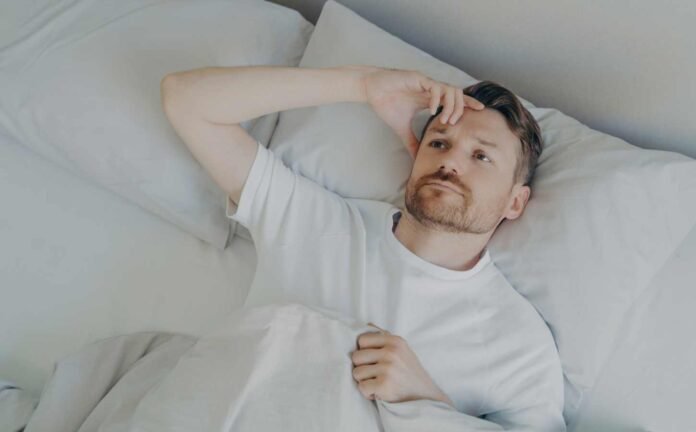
(627, 68)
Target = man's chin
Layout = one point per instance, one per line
(440, 195)
(434, 215)
(445, 203)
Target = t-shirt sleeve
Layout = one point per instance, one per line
(280, 207)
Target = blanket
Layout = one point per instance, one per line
(276, 367)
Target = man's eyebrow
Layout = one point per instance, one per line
(442, 130)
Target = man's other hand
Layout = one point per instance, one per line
(386, 368)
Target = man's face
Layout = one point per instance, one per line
(480, 176)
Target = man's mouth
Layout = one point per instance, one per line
(443, 186)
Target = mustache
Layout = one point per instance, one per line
(445, 177)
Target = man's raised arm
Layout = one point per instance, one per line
(231, 95)
(206, 105)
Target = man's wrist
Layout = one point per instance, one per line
(357, 74)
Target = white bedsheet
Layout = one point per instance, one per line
(270, 368)
(279, 367)
(79, 263)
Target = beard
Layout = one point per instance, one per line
(454, 213)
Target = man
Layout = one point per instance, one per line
(458, 333)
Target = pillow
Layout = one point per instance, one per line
(83, 89)
(603, 217)
(647, 384)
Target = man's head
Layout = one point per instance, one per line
(488, 157)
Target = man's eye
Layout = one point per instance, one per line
(434, 143)
(481, 154)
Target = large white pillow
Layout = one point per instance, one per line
(83, 89)
(603, 217)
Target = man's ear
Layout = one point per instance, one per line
(518, 201)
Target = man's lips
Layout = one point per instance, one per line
(442, 185)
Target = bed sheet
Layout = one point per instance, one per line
(79, 263)
(19, 17)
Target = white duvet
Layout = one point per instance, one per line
(281, 367)
(265, 369)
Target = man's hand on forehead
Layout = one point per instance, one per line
(397, 96)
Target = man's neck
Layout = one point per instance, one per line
(459, 252)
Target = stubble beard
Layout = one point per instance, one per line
(433, 210)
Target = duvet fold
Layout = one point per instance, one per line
(276, 367)
(269, 368)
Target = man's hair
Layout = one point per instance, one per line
(520, 121)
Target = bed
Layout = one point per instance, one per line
(87, 255)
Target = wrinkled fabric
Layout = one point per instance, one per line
(276, 367)
(282, 367)
(16, 406)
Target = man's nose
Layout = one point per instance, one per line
(447, 168)
(453, 166)
(455, 162)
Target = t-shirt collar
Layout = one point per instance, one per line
(393, 216)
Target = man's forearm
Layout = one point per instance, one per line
(231, 95)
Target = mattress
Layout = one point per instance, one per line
(79, 263)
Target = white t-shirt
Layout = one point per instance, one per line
(482, 343)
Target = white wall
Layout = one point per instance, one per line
(627, 68)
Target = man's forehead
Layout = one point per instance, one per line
(486, 121)
(488, 129)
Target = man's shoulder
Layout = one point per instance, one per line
(370, 205)
(372, 212)
(514, 311)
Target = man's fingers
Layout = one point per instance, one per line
(451, 94)
(473, 102)
(365, 356)
(449, 105)
(436, 94)
(368, 388)
(372, 340)
(361, 373)
(458, 106)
